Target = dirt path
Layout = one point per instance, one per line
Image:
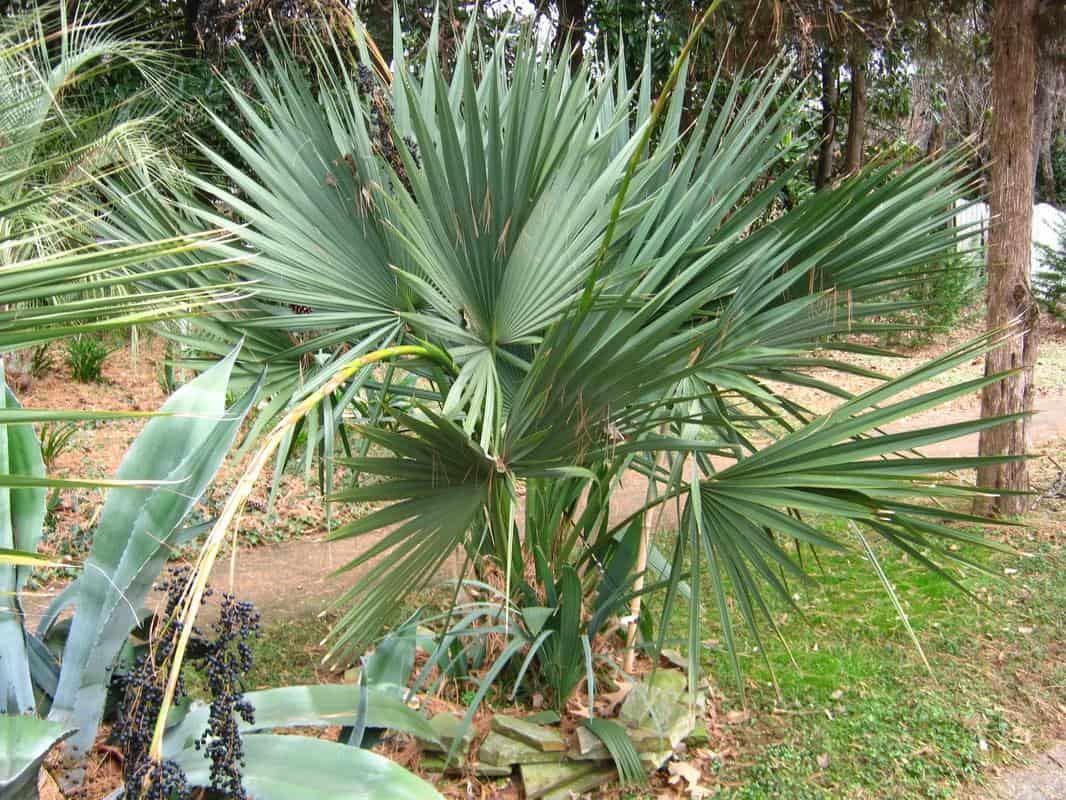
(1045, 779)
(296, 578)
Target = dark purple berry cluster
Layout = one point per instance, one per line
(154, 780)
(381, 126)
(224, 659)
(142, 691)
(227, 659)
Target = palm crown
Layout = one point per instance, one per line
(606, 307)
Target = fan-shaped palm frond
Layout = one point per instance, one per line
(470, 208)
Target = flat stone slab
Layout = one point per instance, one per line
(661, 708)
(587, 747)
(502, 751)
(668, 680)
(543, 739)
(436, 764)
(548, 717)
(563, 780)
(646, 741)
(580, 786)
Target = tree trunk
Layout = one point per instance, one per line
(1044, 101)
(857, 63)
(571, 28)
(1010, 302)
(937, 135)
(1045, 175)
(830, 95)
(1041, 110)
(191, 43)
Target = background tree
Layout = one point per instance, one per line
(1021, 31)
(1048, 113)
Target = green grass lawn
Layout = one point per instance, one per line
(858, 713)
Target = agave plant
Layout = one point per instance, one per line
(65, 673)
(616, 292)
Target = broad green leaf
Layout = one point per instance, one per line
(321, 706)
(133, 538)
(24, 743)
(623, 753)
(22, 512)
(297, 767)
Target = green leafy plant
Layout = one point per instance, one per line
(59, 140)
(948, 293)
(27, 740)
(85, 358)
(1050, 281)
(42, 360)
(555, 619)
(57, 279)
(575, 280)
(56, 438)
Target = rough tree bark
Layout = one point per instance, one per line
(1044, 100)
(1046, 174)
(1010, 302)
(830, 96)
(857, 64)
(937, 137)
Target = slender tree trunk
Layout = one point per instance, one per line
(571, 28)
(1010, 302)
(937, 136)
(830, 95)
(191, 13)
(857, 62)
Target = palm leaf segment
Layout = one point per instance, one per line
(470, 211)
(55, 145)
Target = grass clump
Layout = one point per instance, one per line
(85, 358)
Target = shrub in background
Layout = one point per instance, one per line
(85, 358)
(1050, 284)
(948, 293)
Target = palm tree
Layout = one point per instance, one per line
(612, 292)
(56, 144)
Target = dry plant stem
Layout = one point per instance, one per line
(235, 504)
(647, 527)
(629, 661)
